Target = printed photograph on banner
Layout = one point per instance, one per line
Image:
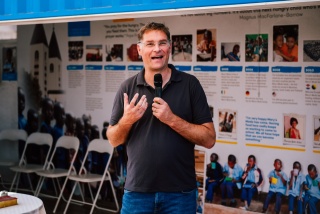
(316, 128)
(213, 176)
(94, 53)
(230, 51)
(206, 45)
(311, 50)
(182, 48)
(114, 53)
(199, 160)
(227, 124)
(132, 54)
(285, 43)
(75, 50)
(294, 129)
(9, 63)
(257, 48)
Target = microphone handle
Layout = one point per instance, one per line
(158, 92)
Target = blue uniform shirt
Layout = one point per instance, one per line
(296, 184)
(279, 186)
(237, 172)
(313, 185)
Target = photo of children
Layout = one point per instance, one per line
(227, 121)
(75, 50)
(294, 129)
(285, 43)
(316, 141)
(94, 53)
(230, 52)
(182, 48)
(311, 51)
(114, 53)
(256, 47)
(206, 45)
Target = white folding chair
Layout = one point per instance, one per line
(68, 143)
(36, 138)
(100, 146)
(9, 141)
(9, 158)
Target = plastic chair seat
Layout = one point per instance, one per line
(86, 178)
(53, 173)
(30, 168)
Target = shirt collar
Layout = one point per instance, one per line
(175, 76)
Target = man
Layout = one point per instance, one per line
(160, 135)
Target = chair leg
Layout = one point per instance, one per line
(39, 186)
(13, 181)
(70, 197)
(114, 195)
(61, 195)
(31, 185)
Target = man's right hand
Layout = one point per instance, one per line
(133, 112)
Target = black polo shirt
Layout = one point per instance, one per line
(159, 159)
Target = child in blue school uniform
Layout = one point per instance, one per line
(278, 186)
(252, 181)
(312, 190)
(295, 188)
(214, 176)
(233, 173)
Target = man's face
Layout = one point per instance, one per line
(155, 57)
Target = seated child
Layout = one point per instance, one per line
(312, 190)
(232, 172)
(295, 188)
(252, 180)
(214, 176)
(278, 186)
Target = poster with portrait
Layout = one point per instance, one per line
(285, 43)
(256, 47)
(9, 63)
(230, 51)
(316, 138)
(294, 129)
(206, 45)
(227, 124)
(75, 50)
(182, 48)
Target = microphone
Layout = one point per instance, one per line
(158, 85)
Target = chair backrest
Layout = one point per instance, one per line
(13, 134)
(100, 146)
(67, 142)
(11, 141)
(38, 139)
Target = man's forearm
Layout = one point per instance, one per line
(202, 135)
(118, 133)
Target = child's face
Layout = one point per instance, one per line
(251, 162)
(279, 41)
(297, 166)
(277, 165)
(312, 174)
(231, 164)
(291, 42)
(213, 158)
